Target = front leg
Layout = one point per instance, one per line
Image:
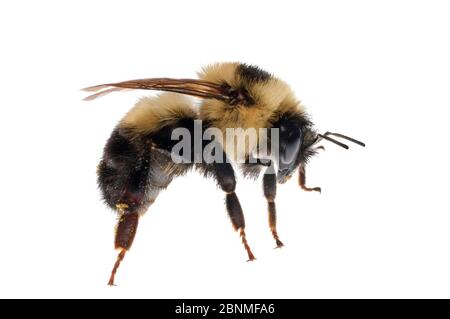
(302, 181)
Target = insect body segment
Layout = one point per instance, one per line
(137, 163)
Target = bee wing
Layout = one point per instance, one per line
(198, 88)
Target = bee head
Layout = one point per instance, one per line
(296, 136)
(298, 142)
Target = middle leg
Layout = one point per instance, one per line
(224, 175)
(270, 191)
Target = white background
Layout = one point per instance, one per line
(378, 71)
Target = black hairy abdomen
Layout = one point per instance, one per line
(136, 167)
(124, 170)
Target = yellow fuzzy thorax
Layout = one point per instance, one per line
(272, 97)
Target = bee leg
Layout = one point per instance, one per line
(302, 181)
(270, 191)
(224, 174)
(125, 233)
(321, 147)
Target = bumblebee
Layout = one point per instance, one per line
(137, 163)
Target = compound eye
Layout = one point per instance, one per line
(289, 154)
(289, 148)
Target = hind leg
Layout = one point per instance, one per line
(125, 232)
(128, 221)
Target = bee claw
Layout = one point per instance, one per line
(279, 245)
